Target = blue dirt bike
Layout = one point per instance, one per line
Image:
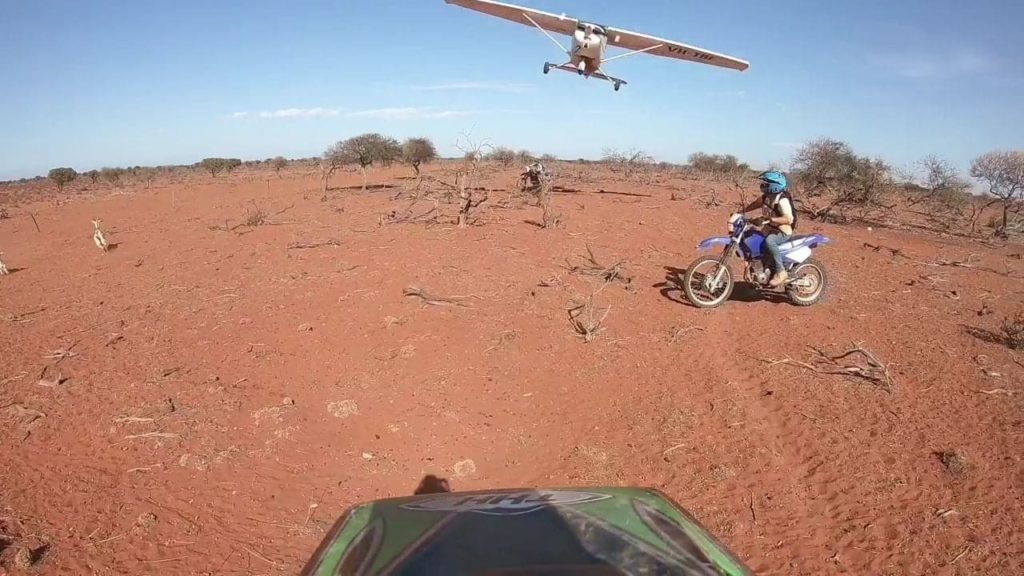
(708, 281)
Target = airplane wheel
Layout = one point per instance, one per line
(617, 86)
(547, 68)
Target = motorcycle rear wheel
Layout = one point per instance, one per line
(810, 280)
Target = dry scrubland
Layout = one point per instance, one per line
(261, 349)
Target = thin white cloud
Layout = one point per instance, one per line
(728, 94)
(477, 85)
(301, 113)
(404, 113)
(288, 113)
(922, 66)
(409, 113)
(792, 145)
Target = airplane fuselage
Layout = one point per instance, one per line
(588, 45)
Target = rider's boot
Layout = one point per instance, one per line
(778, 279)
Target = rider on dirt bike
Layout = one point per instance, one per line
(779, 219)
(534, 172)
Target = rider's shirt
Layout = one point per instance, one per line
(779, 205)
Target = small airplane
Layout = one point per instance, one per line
(589, 41)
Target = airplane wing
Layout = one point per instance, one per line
(670, 49)
(551, 22)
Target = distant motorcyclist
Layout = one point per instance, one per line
(533, 174)
(779, 220)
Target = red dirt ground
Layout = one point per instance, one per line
(292, 383)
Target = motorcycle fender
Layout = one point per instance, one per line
(709, 243)
(797, 256)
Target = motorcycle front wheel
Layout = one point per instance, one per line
(707, 282)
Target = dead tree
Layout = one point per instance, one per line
(549, 218)
(1004, 174)
(328, 165)
(838, 185)
(465, 179)
(468, 203)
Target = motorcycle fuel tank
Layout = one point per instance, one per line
(753, 245)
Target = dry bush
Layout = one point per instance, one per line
(467, 174)
(549, 219)
(364, 151)
(468, 202)
(668, 168)
(504, 156)
(62, 177)
(254, 216)
(417, 151)
(576, 173)
(326, 166)
(278, 163)
(938, 181)
(718, 167)
(633, 163)
(584, 321)
(94, 175)
(589, 266)
(113, 175)
(146, 175)
(408, 216)
(524, 157)
(838, 185)
(213, 165)
(953, 461)
(1004, 174)
(937, 191)
(1013, 331)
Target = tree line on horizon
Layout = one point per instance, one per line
(832, 181)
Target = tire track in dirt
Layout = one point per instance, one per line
(703, 410)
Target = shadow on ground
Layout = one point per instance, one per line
(672, 289)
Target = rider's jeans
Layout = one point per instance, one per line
(771, 246)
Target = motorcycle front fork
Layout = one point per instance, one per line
(722, 263)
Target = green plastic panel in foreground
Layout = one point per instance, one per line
(592, 531)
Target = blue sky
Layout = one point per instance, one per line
(141, 82)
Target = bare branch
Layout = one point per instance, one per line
(584, 321)
(589, 266)
(873, 370)
(432, 300)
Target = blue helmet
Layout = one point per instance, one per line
(773, 182)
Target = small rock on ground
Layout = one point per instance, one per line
(343, 409)
(465, 469)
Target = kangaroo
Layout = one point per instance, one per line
(98, 237)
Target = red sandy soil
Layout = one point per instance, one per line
(289, 384)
